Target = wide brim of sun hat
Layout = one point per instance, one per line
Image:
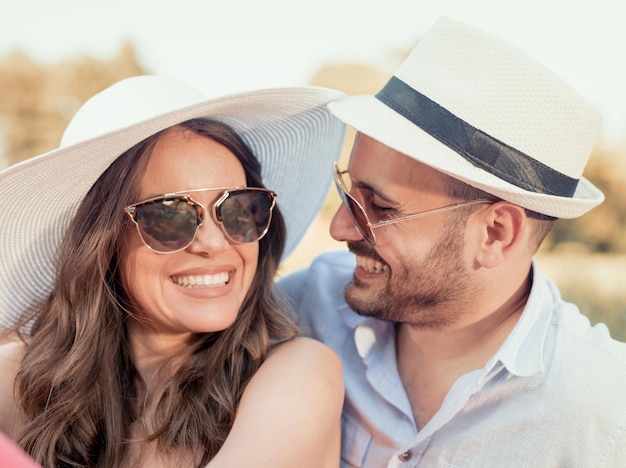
(290, 131)
(498, 90)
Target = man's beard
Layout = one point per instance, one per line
(428, 294)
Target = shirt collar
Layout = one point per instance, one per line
(367, 330)
(374, 340)
(522, 353)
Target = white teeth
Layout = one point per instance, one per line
(201, 281)
(371, 265)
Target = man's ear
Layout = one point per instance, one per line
(502, 227)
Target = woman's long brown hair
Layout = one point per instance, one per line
(78, 386)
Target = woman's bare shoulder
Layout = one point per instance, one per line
(304, 348)
(12, 351)
(11, 354)
(302, 366)
(289, 414)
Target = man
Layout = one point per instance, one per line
(461, 353)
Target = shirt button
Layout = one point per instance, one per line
(405, 456)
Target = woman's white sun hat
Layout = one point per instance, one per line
(482, 111)
(290, 130)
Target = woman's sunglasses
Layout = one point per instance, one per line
(169, 223)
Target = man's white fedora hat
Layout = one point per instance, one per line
(290, 130)
(472, 106)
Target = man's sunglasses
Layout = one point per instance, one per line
(361, 220)
(169, 223)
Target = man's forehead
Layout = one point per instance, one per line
(372, 163)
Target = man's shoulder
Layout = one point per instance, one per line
(578, 333)
(598, 341)
(589, 354)
(576, 339)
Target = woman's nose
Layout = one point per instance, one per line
(209, 239)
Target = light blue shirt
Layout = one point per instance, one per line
(554, 395)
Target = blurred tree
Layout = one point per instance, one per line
(351, 78)
(603, 229)
(37, 101)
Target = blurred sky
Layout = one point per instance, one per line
(232, 45)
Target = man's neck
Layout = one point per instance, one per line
(431, 360)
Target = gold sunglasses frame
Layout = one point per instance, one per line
(200, 208)
(367, 231)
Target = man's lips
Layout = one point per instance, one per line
(370, 265)
(367, 258)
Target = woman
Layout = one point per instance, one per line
(156, 339)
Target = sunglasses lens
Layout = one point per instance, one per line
(360, 218)
(358, 214)
(168, 224)
(246, 214)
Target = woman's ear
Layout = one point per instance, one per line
(501, 233)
